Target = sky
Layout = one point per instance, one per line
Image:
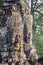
(29, 2)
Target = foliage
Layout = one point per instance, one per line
(37, 13)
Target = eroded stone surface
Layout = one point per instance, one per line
(19, 34)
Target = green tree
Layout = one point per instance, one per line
(37, 12)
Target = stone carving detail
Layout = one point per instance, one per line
(17, 32)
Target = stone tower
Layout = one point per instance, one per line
(17, 30)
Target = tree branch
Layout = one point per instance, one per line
(39, 5)
(38, 12)
(35, 4)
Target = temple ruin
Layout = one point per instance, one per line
(16, 32)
